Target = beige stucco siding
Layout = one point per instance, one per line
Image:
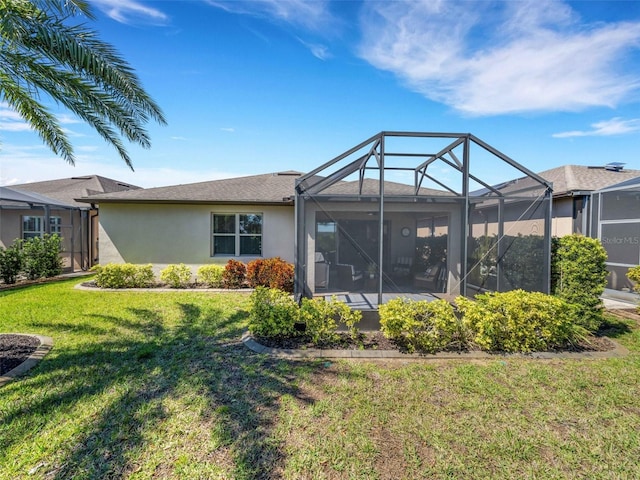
(562, 222)
(163, 234)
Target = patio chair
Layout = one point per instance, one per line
(348, 277)
(402, 267)
(430, 278)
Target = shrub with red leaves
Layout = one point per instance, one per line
(234, 274)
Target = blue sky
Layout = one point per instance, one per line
(256, 87)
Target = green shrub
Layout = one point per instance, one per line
(579, 275)
(211, 275)
(176, 276)
(234, 274)
(321, 318)
(11, 262)
(123, 275)
(519, 321)
(270, 272)
(634, 275)
(273, 313)
(42, 256)
(421, 325)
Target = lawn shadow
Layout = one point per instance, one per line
(613, 327)
(144, 371)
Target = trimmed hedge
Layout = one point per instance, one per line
(422, 325)
(270, 272)
(274, 313)
(321, 317)
(579, 276)
(519, 321)
(211, 275)
(234, 274)
(123, 275)
(176, 276)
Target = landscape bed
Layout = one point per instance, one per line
(159, 385)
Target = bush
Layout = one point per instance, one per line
(321, 318)
(273, 313)
(123, 275)
(234, 274)
(579, 275)
(176, 276)
(270, 272)
(42, 256)
(11, 262)
(421, 325)
(634, 275)
(211, 275)
(519, 321)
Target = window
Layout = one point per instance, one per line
(34, 226)
(236, 234)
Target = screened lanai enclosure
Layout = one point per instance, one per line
(615, 221)
(421, 215)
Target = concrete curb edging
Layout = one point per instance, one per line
(80, 286)
(46, 344)
(618, 352)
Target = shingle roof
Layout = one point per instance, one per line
(279, 187)
(573, 178)
(68, 190)
(270, 188)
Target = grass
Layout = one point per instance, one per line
(157, 385)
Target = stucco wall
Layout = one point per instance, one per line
(163, 234)
(562, 213)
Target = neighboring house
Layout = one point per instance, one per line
(572, 189)
(200, 223)
(77, 223)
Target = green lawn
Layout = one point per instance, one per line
(158, 385)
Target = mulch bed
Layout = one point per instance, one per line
(15, 349)
(377, 341)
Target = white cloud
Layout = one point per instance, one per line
(311, 15)
(317, 50)
(131, 11)
(615, 126)
(486, 58)
(20, 164)
(228, 129)
(10, 121)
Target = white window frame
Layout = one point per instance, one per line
(54, 221)
(236, 234)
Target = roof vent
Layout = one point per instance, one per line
(614, 166)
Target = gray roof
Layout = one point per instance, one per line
(67, 190)
(279, 187)
(579, 178)
(270, 188)
(9, 196)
